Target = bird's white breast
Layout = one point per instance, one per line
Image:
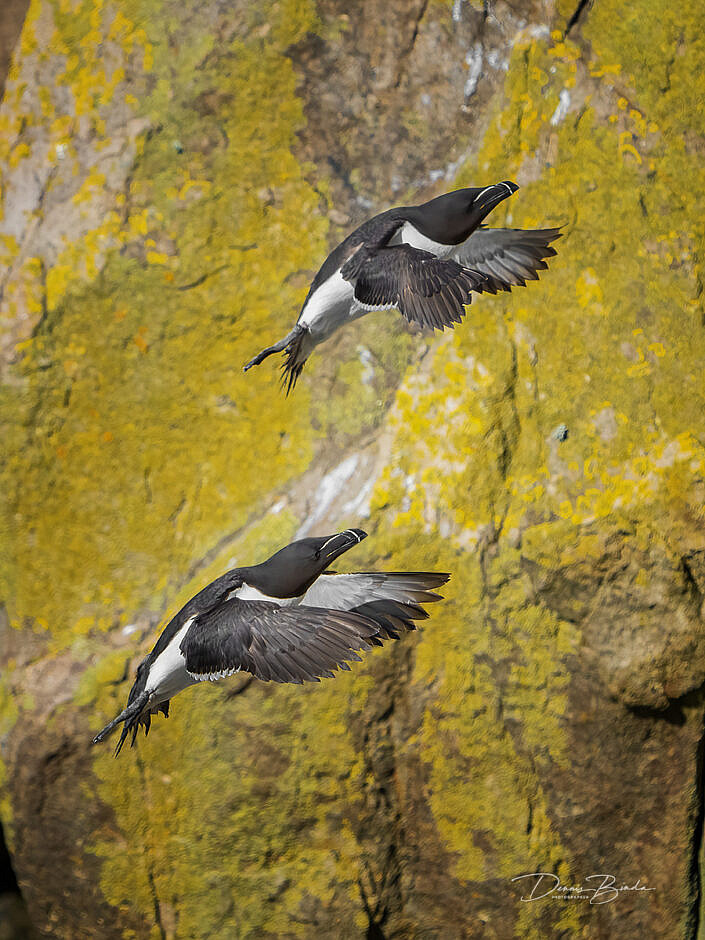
(167, 674)
(249, 593)
(329, 306)
(410, 235)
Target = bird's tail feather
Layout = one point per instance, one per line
(130, 716)
(296, 356)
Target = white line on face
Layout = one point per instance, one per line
(330, 540)
(482, 193)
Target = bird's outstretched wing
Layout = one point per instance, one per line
(507, 257)
(346, 591)
(430, 291)
(281, 644)
(392, 599)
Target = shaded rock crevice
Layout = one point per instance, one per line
(46, 777)
(404, 55)
(577, 14)
(380, 826)
(14, 918)
(8, 880)
(696, 875)
(149, 862)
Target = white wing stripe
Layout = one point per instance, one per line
(214, 676)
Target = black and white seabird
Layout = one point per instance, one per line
(425, 260)
(279, 621)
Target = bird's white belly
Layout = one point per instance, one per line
(329, 307)
(410, 235)
(167, 674)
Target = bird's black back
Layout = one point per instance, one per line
(205, 600)
(375, 231)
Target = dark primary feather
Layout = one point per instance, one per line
(430, 291)
(392, 617)
(508, 257)
(392, 599)
(281, 644)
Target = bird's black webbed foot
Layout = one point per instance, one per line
(270, 350)
(260, 357)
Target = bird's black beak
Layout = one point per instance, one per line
(335, 545)
(489, 197)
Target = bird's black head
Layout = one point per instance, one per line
(453, 217)
(292, 570)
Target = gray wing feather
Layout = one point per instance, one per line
(391, 599)
(347, 591)
(508, 257)
(279, 644)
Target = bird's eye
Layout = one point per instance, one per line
(317, 553)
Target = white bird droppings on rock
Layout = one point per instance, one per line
(329, 487)
(473, 60)
(562, 109)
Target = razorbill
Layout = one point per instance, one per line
(424, 260)
(285, 620)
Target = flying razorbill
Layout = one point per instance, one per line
(425, 260)
(279, 621)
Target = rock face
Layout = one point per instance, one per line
(170, 176)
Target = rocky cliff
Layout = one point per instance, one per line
(170, 176)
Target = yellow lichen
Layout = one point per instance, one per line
(139, 445)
